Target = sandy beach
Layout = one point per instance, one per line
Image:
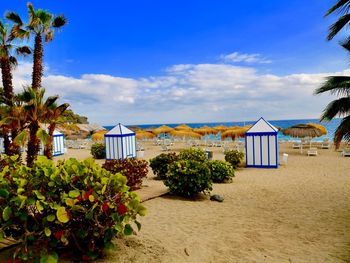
(296, 213)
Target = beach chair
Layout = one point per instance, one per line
(165, 147)
(312, 152)
(345, 152)
(296, 145)
(325, 144)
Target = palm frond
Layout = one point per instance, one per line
(345, 44)
(49, 36)
(50, 101)
(23, 50)
(59, 21)
(63, 107)
(22, 137)
(13, 62)
(42, 135)
(337, 26)
(45, 17)
(14, 17)
(342, 132)
(18, 32)
(336, 85)
(342, 6)
(337, 107)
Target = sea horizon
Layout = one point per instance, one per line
(330, 125)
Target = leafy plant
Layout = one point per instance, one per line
(72, 206)
(195, 154)
(221, 171)
(160, 163)
(98, 151)
(133, 169)
(234, 158)
(188, 177)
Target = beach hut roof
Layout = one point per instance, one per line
(120, 130)
(262, 126)
(56, 132)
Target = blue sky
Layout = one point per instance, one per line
(148, 51)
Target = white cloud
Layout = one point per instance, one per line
(237, 57)
(187, 93)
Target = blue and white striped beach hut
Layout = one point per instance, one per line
(120, 143)
(58, 143)
(262, 145)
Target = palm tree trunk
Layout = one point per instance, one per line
(37, 63)
(33, 144)
(48, 147)
(8, 96)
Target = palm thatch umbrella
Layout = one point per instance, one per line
(184, 133)
(235, 132)
(98, 136)
(162, 129)
(302, 131)
(141, 134)
(322, 128)
(205, 130)
(221, 128)
(183, 127)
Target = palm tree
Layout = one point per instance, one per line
(338, 85)
(7, 62)
(42, 25)
(53, 116)
(36, 112)
(343, 7)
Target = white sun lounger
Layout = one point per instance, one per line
(312, 152)
(345, 152)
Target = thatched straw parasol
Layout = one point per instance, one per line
(320, 127)
(183, 127)
(205, 130)
(221, 128)
(185, 133)
(162, 129)
(140, 134)
(234, 132)
(98, 136)
(302, 131)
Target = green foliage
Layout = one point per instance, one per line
(234, 158)
(98, 151)
(70, 117)
(195, 154)
(74, 206)
(160, 163)
(133, 169)
(188, 177)
(221, 171)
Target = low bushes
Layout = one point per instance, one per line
(98, 151)
(188, 177)
(221, 171)
(160, 163)
(234, 158)
(195, 154)
(133, 169)
(74, 206)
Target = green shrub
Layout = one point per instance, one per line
(234, 158)
(72, 207)
(221, 171)
(188, 177)
(160, 163)
(133, 169)
(195, 154)
(98, 151)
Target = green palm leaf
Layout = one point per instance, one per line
(59, 21)
(337, 26)
(342, 6)
(342, 132)
(14, 17)
(339, 107)
(336, 85)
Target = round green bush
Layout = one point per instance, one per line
(195, 154)
(69, 207)
(160, 163)
(234, 158)
(221, 171)
(98, 151)
(188, 178)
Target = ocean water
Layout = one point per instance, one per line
(331, 126)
